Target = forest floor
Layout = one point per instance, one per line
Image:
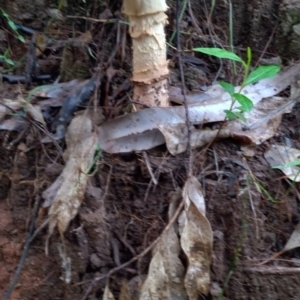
(123, 212)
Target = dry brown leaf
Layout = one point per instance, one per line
(11, 106)
(196, 240)
(176, 136)
(155, 285)
(166, 272)
(66, 193)
(140, 130)
(35, 112)
(8, 106)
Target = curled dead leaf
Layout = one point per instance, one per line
(196, 240)
(166, 272)
(66, 193)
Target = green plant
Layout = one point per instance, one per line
(262, 72)
(12, 25)
(5, 58)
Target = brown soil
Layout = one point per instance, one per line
(123, 212)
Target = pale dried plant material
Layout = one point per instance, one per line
(196, 240)
(154, 126)
(278, 155)
(65, 264)
(150, 67)
(9, 106)
(166, 272)
(107, 295)
(67, 192)
(294, 240)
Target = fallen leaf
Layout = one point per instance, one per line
(126, 133)
(66, 193)
(14, 124)
(35, 112)
(280, 157)
(176, 137)
(155, 286)
(9, 106)
(166, 272)
(196, 240)
(294, 240)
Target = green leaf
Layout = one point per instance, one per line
(12, 25)
(240, 116)
(220, 53)
(6, 52)
(231, 115)
(249, 56)
(262, 72)
(288, 165)
(228, 87)
(9, 61)
(240, 108)
(4, 13)
(235, 115)
(21, 38)
(245, 102)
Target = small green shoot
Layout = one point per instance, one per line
(12, 25)
(220, 53)
(93, 168)
(228, 87)
(262, 72)
(293, 163)
(5, 58)
(246, 103)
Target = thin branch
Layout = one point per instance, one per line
(188, 122)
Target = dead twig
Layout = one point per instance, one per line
(149, 167)
(188, 122)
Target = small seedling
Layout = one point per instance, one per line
(290, 164)
(12, 25)
(262, 72)
(5, 58)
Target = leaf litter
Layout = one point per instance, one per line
(147, 129)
